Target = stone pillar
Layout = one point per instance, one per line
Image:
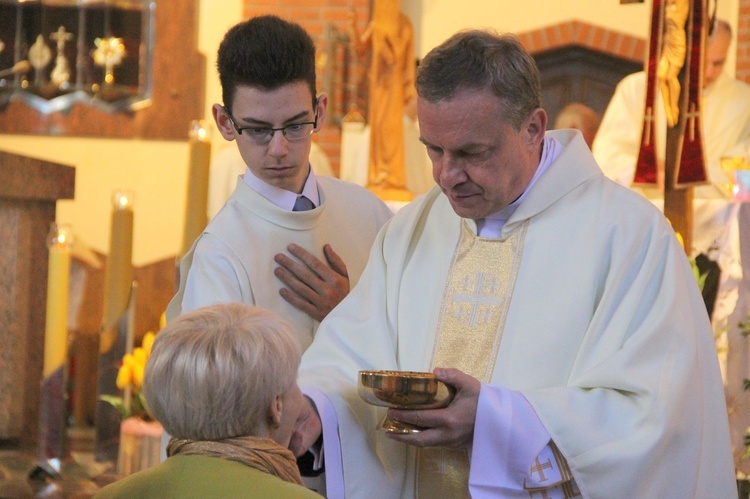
(29, 189)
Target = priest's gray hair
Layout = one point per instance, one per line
(481, 59)
(214, 372)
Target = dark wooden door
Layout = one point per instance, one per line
(578, 74)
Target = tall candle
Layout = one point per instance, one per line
(118, 273)
(196, 204)
(59, 242)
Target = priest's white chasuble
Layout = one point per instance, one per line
(596, 321)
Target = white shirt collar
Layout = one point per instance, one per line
(283, 198)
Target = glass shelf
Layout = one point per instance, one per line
(57, 53)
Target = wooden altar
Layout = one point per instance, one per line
(29, 189)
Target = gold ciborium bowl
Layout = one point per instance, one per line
(403, 390)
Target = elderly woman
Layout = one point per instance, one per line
(222, 380)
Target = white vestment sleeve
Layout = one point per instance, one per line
(331, 442)
(508, 437)
(618, 139)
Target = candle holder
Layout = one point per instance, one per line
(116, 336)
(52, 417)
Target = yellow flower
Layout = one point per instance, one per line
(679, 238)
(162, 321)
(124, 376)
(128, 360)
(140, 356)
(130, 375)
(138, 375)
(148, 342)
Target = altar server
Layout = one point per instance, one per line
(286, 240)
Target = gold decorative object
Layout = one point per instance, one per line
(403, 390)
(109, 53)
(65, 42)
(61, 72)
(731, 165)
(672, 58)
(39, 56)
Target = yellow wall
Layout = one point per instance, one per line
(156, 170)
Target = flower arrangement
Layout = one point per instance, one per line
(130, 380)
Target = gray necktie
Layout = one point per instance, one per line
(303, 204)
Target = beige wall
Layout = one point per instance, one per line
(156, 170)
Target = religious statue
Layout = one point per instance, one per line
(674, 49)
(390, 38)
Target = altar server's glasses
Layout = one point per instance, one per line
(263, 135)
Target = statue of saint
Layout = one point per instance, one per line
(674, 48)
(390, 39)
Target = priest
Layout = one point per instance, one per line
(726, 120)
(558, 304)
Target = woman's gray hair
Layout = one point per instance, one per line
(214, 372)
(480, 59)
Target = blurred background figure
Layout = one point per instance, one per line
(222, 380)
(579, 117)
(725, 120)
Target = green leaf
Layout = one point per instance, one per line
(745, 326)
(699, 278)
(117, 403)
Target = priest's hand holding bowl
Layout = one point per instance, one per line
(448, 426)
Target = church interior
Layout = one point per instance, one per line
(128, 169)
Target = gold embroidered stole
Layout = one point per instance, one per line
(472, 318)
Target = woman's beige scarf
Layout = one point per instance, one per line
(261, 453)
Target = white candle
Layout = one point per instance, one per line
(58, 277)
